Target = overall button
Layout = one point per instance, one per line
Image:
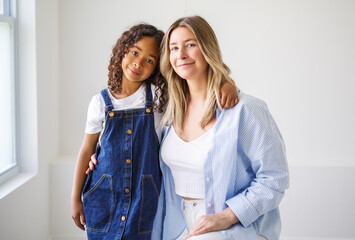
(128, 161)
(123, 218)
(111, 114)
(148, 110)
(129, 131)
(127, 190)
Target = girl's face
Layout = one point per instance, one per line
(141, 60)
(185, 55)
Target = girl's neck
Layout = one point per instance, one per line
(128, 88)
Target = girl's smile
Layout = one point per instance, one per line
(140, 61)
(134, 73)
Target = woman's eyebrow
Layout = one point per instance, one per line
(187, 40)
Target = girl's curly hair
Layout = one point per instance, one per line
(123, 44)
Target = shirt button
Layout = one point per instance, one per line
(129, 131)
(126, 190)
(123, 218)
(148, 110)
(111, 114)
(128, 161)
(209, 205)
(208, 179)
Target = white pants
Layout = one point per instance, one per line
(192, 210)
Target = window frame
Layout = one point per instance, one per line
(9, 16)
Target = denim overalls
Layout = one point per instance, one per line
(120, 196)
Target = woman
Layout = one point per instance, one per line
(224, 172)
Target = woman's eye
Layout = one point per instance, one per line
(173, 48)
(134, 53)
(149, 61)
(191, 45)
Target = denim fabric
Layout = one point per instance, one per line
(120, 196)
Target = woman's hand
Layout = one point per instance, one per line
(214, 222)
(229, 95)
(92, 163)
(77, 213)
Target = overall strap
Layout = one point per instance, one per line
(106, 97)
(148, 96)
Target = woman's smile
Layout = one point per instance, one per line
(185, 64)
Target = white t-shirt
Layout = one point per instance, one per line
(96, 112)
(186, 161)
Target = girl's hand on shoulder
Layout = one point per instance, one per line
(229, 95)
(77, 213)
(92, 163)
(214, 222)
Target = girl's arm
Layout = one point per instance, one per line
(86, 150)
(229, 95)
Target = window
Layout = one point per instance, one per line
(8, 92)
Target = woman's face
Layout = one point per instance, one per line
(141, 60)
(185, 55)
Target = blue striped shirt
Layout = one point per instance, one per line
(245, 170)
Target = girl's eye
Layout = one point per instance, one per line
(134, 53)
(191, 45)
(149, 61)
(173, 48)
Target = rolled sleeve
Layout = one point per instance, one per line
(263, 147)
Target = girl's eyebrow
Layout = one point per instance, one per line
(148, 54)
(187, 40)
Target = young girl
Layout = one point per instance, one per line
(119, 199)
(120, 196)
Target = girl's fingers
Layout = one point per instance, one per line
(229, 103)
(91, 165)
(83, 221)
(88, 171)
(223, 101)
(78, 223)
(236, 100)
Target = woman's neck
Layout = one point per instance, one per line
(197, 90)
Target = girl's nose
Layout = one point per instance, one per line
(138, 64)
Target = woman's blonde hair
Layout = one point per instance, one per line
(218, 72)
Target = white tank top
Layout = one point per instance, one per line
(186, 162)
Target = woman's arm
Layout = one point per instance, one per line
(262, 145)
(213, 222)
(261, 142)
(86, 150)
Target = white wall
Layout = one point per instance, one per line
(25, 212)
(298, 56)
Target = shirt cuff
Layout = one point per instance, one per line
(244, 211)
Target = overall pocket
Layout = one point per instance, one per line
(149, 203)
(98, 205)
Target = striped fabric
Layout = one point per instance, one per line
(245, 170)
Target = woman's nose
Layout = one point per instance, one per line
(182, 53)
